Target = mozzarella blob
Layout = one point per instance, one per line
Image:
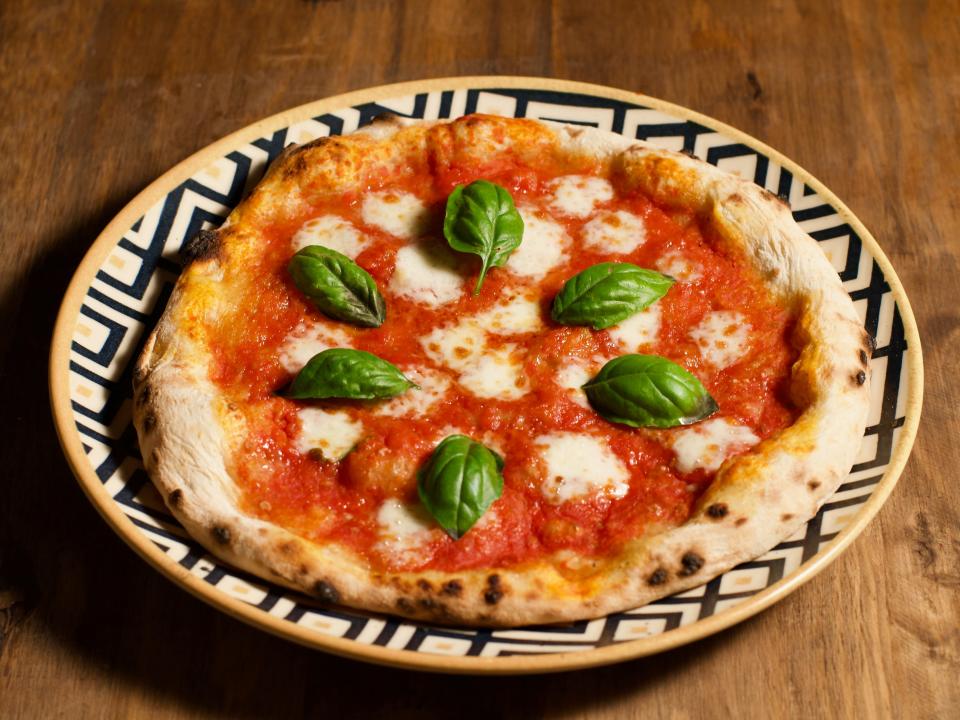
(400, 214)
(705, 445)
(639, 329)
(482, 370)
(544, 246)
(416, 402)
(403, 530)
(580, 465)
(332, 432)
(496, 374)
(618, 232)
(426, 273)
(723, 337)
(518, 314)
(307, 340)
(332, 232)
(572, 377)
(578, 195)
(678, 267)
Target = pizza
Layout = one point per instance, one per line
(497, 372)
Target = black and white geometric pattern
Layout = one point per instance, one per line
(132, 286)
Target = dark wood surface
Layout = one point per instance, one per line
(99, 98)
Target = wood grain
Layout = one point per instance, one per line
(100, 98)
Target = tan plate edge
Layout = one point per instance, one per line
(514, 664)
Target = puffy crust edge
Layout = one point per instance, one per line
(756, 500)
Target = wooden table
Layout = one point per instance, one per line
(100, 98)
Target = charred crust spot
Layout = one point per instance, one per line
(385, 118)
(175, 499)
(784, 198)
(143, 395)
(773, 197)
(657, 577)
(326, 592)
(296, 164)
(786, 516)
(739, 521)
(404, 605)
(221, 534)
(863, 357)
(860, 378)
(735, 198)
(492, 597)
(494, 590)
(140, 374)
(870, 341)
(718, 511)
(424, 585)
(453, 588)
(689, 153)
(691, 562)
(427, 603)
(287, 548)
(813, 484)
(203, 245)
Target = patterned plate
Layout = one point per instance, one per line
(123, 283)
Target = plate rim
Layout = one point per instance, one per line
(70, 442)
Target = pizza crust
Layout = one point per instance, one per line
(756, 500)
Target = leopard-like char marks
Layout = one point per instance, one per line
(204, 245)
(326, 592)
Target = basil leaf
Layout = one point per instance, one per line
(604, 294)
(648, 391)
(346, 373)
(459, 482)
(338, 286)
(481, 219)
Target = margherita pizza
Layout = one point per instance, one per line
(496, 372)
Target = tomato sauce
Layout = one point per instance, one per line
(338, 501)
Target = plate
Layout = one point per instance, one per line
(123, 283)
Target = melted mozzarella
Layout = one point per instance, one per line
(637, 330)
(707, 444)
(332, 232)
(397, 520)
(414, 402)
(678, 267)
(723, 337)
(426, 274)
(544, 246)
(456, 346)
(572, 377)
(615, 232)
(308, 340)
(519, 314)
(577, 195)
(404, 530)
(495, 374)
(333, 432)
(579, 465)
(400, 214)
(463, 348)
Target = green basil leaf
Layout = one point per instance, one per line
(607, 293)
(459, 482)
(481, 219)
(648, 391)
(346, 373)
(338, 286)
